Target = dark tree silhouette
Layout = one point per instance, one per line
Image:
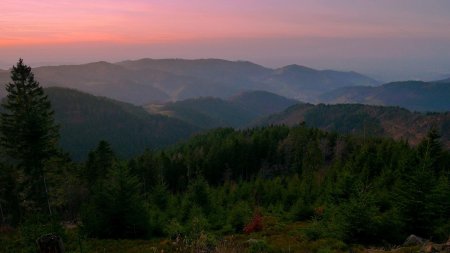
(29, 133)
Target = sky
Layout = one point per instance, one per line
(387, 39)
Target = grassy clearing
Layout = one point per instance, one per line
(276, 237)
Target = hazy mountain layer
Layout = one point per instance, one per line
(307, 84)
(413, 95)
(292, 81)
(147, 80)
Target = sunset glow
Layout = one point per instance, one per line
(51, 22)
(221, 24)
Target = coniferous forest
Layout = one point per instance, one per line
(264, 189)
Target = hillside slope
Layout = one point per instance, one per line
(236, 111)
(262, 103)
(360, 119)
(413, 95)
(307, 84)
(86, 119)
(205, 112)
(100, 79)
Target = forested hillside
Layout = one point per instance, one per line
(85, 120)
(394, 122)
(237, 111)
(262, 103)
(205, 113)
(263, 189)
(275, 184)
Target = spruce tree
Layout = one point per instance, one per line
(99, 163)
(29, 133)
(116, 208)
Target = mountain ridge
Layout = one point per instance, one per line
(236, 111)
(412, 95)
(395, 122)
(160, 80)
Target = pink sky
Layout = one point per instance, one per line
(30, 28)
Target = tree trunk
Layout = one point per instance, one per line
(1, 212)
(46, 195)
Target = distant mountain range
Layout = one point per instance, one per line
(413, 95)
(291, 81)
(394, 122)
(85, 119)
(306, 84)
(236, 111)
(148, 80)
(447, 80)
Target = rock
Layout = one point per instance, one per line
(446, 246)
(50, 243)
(429, 248)
(414, 240)
(252, 241)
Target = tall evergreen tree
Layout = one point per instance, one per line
(29, 133)
(99, 163)
(116, 208)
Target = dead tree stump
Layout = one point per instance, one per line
(50, 243)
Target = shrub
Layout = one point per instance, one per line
(34, 227)
(255, 225)
(239, 215)
(301, 211)
(173, 229)
(257, 246)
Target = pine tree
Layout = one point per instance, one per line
(116, 208)
(29, 133)
(99, 163)
(430, 151)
